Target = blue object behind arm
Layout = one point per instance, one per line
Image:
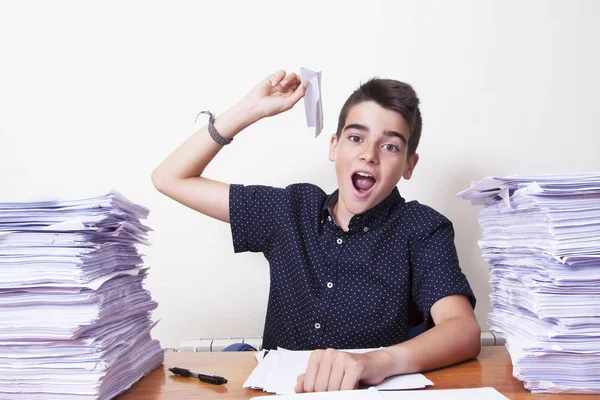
(239, 347)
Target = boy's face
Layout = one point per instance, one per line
(371, 155)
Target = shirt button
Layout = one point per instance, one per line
(329, 285)
(317, 326)
(366, 228)
(339, 241)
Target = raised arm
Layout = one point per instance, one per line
(179, 176)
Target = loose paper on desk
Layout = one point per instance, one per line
(278, 371)
(313, 101)
(486, 393)
(363, 394)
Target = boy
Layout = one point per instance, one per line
(346, 268)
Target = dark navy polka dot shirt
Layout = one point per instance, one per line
(344, 290)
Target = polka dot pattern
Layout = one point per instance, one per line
(344, 290)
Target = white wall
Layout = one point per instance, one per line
(96, 94)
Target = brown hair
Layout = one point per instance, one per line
(392, 95)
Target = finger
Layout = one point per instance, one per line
(289, 79)
(350, 380)
(293, 83)
(299, 384)
(327, 361)
(291, 87)
(337, 374)
(296, 95)
(311, 370)
(276, 77)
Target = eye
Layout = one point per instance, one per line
(355, 139)
(391, 148)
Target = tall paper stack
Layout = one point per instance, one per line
(541, 237)
(74, 316)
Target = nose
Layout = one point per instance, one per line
(369, 153)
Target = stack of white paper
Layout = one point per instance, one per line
(542, 241)
(278, 370)
(74, 316)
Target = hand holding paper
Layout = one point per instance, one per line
(339, 370)
(276, 93)
(279, 370)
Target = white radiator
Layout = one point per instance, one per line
(218, 344)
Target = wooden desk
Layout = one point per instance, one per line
(492, 368)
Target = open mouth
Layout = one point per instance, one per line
(362, 181)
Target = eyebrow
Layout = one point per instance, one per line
(387, 133)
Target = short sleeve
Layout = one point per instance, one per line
(436, 271)
(255, 216)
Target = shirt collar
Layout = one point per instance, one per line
(371, 218)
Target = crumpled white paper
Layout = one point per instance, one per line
(313, 102)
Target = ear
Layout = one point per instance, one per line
(412, 163)
(333, 142)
